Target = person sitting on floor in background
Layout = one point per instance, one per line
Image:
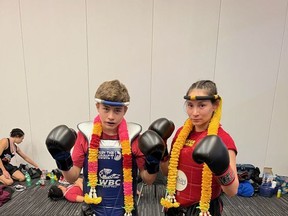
(72, 193)
(8, 150)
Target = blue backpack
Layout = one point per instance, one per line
(245, 189)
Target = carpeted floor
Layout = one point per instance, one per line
(257, 205)
(234, 206)
(34, 201)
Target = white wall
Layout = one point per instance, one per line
(55, 53)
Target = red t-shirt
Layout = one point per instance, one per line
(190, 173)
(72, 192)
(81, 147)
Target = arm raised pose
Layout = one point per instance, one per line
(202, 161)
(107, 150)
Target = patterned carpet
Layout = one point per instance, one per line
(34, 201)
(239, 206)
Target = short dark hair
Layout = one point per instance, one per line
(55, 193)
(16, 132)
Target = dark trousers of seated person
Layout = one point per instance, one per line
(216, 207)
(9, 168)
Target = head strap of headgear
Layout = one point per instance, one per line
(211, 97)
(111, 103)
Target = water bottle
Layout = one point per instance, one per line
(28, 179)
(43, 178)
(52, 178)
(279, 193)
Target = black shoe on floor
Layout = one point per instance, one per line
(87, 210)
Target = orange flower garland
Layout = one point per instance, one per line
(170, 200)
(92, 198)
(206, 191)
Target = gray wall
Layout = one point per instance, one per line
(55, 53)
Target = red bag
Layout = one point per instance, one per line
(5, 194)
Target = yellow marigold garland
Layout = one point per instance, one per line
(206, 185)
(170, 200)
(92, 198)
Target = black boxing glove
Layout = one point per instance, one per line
(153, 147)
(212, 151)
(164, 128)
(59, 143)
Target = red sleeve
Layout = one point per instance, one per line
(72, 193)
(79, 150)
(140, 158)
(227, 139)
